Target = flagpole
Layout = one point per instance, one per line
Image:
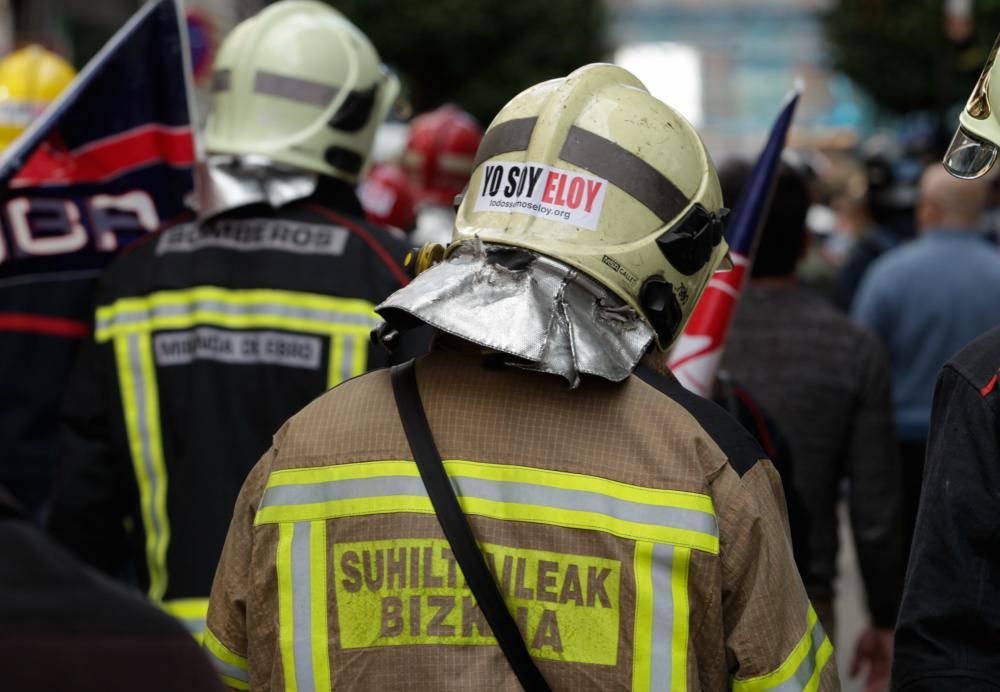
(695, 358)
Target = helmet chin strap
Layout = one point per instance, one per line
(228, 182)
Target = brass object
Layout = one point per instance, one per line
(979, 103)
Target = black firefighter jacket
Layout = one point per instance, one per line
(206, 339)
(948, 634)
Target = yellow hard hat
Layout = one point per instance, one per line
(974, 147)
(301, 85)
(593, 171)
(30, 79)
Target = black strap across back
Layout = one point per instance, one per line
(457, 530)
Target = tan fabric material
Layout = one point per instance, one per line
(748, 608)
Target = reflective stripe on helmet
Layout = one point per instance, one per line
(513, 493)
(513, 135)
(598, 155)
(625, 170)
(294, 89)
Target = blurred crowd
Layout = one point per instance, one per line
(873, 268)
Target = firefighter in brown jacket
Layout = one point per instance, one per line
(637, 533)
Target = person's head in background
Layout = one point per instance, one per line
(948, 203)
(783, 235)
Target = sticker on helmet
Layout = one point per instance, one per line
(544, 191)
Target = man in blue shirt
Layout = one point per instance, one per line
(927, 300)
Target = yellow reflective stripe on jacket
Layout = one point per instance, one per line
(231, 667)
(303, 638)
(346, 321)
(191, 612)
(803, 667)
(659, 655)
(129, 324)
(498, 491)
(238, 309)
(140, 404)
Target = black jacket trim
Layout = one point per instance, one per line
(740, 447)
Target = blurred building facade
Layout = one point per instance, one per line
(747, 55)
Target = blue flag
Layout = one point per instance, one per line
(695, 358)
(107, 163)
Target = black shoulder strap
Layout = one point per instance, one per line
(457, 530)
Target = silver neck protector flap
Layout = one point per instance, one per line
(227, 182)
(550, 316)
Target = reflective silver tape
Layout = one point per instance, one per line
(228, 669)
(194, 625)
(276, 310)
(294, 89)
(499, 491)
(661, 637)
(803, 674)
(625, 170)
(513, 135)
(144, 463)
(302, 608)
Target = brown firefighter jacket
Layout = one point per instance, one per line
(636, 531)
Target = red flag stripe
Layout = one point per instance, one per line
(990, 386)
(42, 324)
(98, 161)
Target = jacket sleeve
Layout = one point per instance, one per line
(226, 640)
(875, 488)
(89, 502)
(949, 622)
(773, 637)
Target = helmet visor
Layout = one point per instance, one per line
(969, 157)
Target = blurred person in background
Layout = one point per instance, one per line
(946, 638)
(886, 216)
(30, 79)
(438, 160)
(947, 634)
(870, 241)
(64, 626)
(581, 461)
(926, 300)
(825, 383)
(210, 334)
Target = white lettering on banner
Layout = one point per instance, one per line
(251, 235)
(544, 191)
(241, 348)
(45, 226)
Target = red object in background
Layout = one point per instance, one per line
(386, 197)
(440, 153)
(107, 158)
(202, 43)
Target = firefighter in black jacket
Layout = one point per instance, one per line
(946, 634)
(210, 334)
